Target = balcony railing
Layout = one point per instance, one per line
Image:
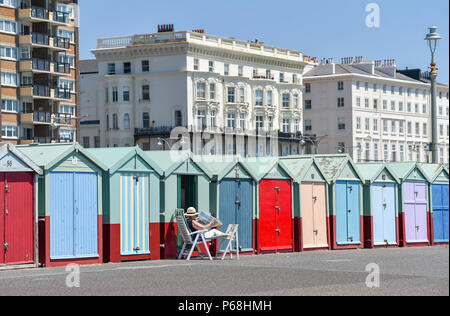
(63, 119)
(41, 91)
(42, 117)
(62, 93)
(41, 64)
(61, 17)
(63, 68)
(39, 13)
(61, 42)
(40, 39)
(163, 130)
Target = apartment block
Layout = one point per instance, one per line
(38, 66)
(149, 84)
(374, 111)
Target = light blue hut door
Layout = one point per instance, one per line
(348, 215)
(384, 217)
(134, 219)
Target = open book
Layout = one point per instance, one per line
(206, 219)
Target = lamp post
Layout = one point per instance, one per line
(315, 140)
(432, 38)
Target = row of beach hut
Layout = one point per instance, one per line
(63, 203)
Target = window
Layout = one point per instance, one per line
(231, 94)
(66, 59)
(286, 100)
(375, 87)
(115, 122)
(375, 104)
(441, 130)
(400, 106)
(295, 101)
(307, 88)
(212, 117)
(145, 66)
(424, 109)
(242, 95)
(9, 105)
(240, 71)
(242, 121)
(231, 120)
(126, 121)
(201, 90)
(96, 141)
(259, 122)
(417, 129)
(367, 124)
(402, 152)
(417, 93)
(416, 107)
(401, 127)
(8, 26)
(376, 152)
(226, 71)
(359, 147)
(8, 52)
(409, 128)
(408, 92)
(386, 152)
(308, 125)
(296, 126)
(385, 126)
(211, 66)
(308, 104)
(394, 152)
(425, 129)
(384, 89)
(340, 86)
(392, 90)
(281, 76)
(127, 68)
(269, 98)
(258, 97)
(384, 104)
(340, 102)
(126, 94)
(375, 125)
(341, 123)
(394, 127)
(358, 102)
(107, 122)
(294, 79)
(441, 110)
(201, 119)
(178, 118)
(67, 85)
(400, 91)
(212, 91)
(270, 123)
(358, 123)
(111, 69)
(146, 92)
(66, 9)
(408, 107)
(146, 120)
(357, 85)
(10, 3)
(367, 151)
(196, 64)
(67, 109)
(9, 79)
(115, 93)
(367, 103)
(10, 131)
(392, 105)
(366, 86)
(286, 125)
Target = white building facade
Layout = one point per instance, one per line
(149, 84)
(374, 112)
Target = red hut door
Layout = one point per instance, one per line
(275, 215)
(16, 218)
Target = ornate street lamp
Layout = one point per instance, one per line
(432, 38)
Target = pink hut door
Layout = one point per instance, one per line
(314, 216)
(320, 215)
(307, 215)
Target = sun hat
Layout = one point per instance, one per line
(191, 212)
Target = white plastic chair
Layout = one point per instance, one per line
(233, 230)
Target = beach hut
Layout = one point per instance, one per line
(414, 220)
(311, 222)
(183, 184)
(274, 209)
(439, 191)
(70, 204)
(232, 195)
(345, 200)
(131, 227)
(380, 204)
(18, 205)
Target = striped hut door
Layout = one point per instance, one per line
(134, 216)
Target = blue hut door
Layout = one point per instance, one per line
(384, 217)
(348, 215)
(440, 194)
(73, 215)
(236, 207)
(134, 217)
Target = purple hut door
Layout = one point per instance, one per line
(420, 191)
(409, 209)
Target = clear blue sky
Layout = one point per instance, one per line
(320, 28)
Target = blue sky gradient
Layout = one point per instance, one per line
(319, 28)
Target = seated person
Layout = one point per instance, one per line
(194, 225)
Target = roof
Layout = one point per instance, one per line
(299, 165)
(169, 161)
(114, 158)
(403, 169)
(332, 165)
(220, 166)
(88, 66)
(371, 171)
(432, 171)
(5, 149)
(261, 166)
(48, 155)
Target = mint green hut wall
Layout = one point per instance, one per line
(342, 174)
(380, 205)
(70, 229)
(131, 199)
(184, 184)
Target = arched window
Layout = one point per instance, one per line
(126, 121)
(115, 122)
